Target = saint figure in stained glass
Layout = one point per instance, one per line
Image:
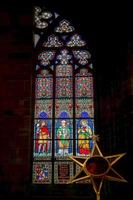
(44, 135)
(84, 136)
(63, 136)
(64, 109)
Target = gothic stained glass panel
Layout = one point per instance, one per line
(84, 136)
(84, 126)
(44, 87)
(82, 56)
(84, 84)
(42, 172)
(64, 87)
(64, 27)
(63, 171)
(53, 41)
(63, 149)
(64, 57)
(45, 57)
(84, 105)
(63, 106)
(63, 128)
(76, 41)
(42, 142)
(42, 149)
(43, 108)
(64, 110)
(43, 125)
(64, 70)
(63, 135)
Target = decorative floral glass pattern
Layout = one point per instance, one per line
(84, 85)
(64, 110)
(53, 41)
(64, 57)
(64, 105)
(44, 88)
(76, 41)
(82, 56)
(84, 105)
(64, 87)
(45, 57)
(64, 27)
(63, 70)
(43, 108)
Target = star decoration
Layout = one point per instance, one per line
(97, 168)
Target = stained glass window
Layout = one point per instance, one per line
(64, 105)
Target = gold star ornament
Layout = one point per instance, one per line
(97, 168)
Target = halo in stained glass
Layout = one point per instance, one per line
(43, 125)
(64, 128)
(84, 126)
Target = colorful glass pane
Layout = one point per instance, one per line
(41, 126)
(42, 172)
(84, 126)
(63, 106)
(42, 18)
(64, 87)
(42, 73)
(63, 129)
(64, 110)
(82, 56)
(64, 57)
(43, 108)
(84, 86)
(63, 149)
(45, 57)
(84, 105)
(76, 41)
(53, 41)
(64, 27)
(63, 70)
(63, 171)
(63, 134)
(84, 147)
(44, 87)
(42, 148)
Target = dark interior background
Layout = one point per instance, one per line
(107, 29)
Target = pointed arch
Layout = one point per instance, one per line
(64, 107)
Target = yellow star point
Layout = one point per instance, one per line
(96, 168)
